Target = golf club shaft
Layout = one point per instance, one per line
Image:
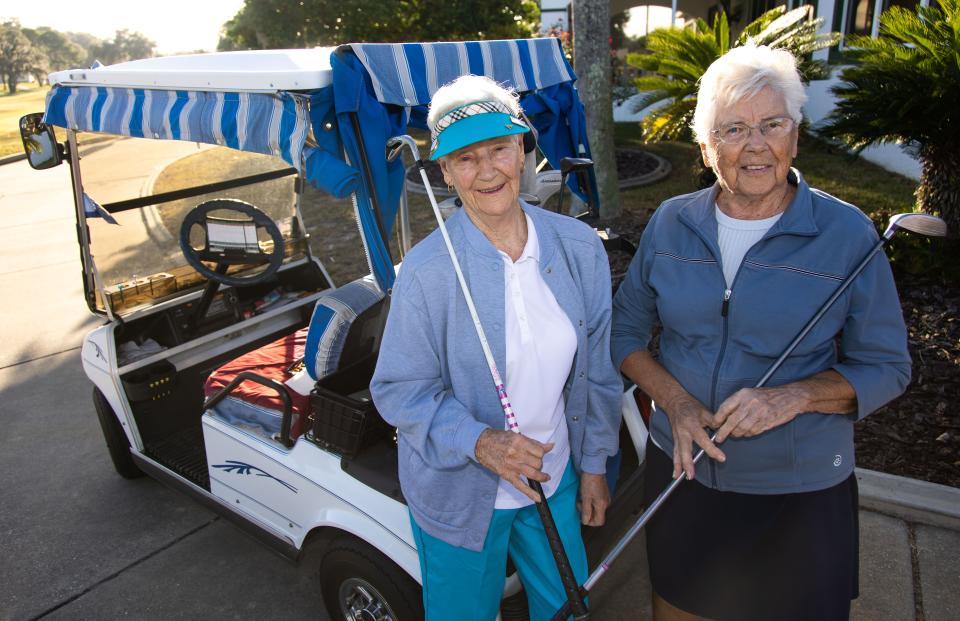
(675, 483)
(567, 577)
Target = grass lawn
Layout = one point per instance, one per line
(27, 99)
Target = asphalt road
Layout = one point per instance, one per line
(78, 541)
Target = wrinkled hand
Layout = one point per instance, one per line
(512, 456)
(688, 418)
(751, 411)
(594, 499)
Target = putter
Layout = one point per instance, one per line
(924, 224)
(574, 602)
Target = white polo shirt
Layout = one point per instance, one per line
(541, 343)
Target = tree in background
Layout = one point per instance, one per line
(88, 43)
(680, 56)
(263, 24)
(906, 88)
(591, 62)
(17, 54)
(56, 51)
(125, 46)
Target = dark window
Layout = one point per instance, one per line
(759, 7)
(860, 14)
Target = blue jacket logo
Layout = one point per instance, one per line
(239, 467)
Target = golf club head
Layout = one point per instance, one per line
(921, 223)
(571, 164)
(395, 147)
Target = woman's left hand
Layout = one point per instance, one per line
(752, 411)
(594, 499)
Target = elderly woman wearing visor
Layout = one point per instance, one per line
(768, 528)
(541, 284)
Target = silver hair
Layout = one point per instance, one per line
(468, 89)
(740, 74)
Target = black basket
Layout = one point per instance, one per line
(151, 383)
(341, 423)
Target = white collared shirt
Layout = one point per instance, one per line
(541, 343)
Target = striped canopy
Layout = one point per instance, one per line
(275, 124)
(335, 133)
(384, 87)
(408, 74)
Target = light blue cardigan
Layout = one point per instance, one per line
(432, 380)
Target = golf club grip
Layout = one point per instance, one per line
(569, 581)
(564, 611)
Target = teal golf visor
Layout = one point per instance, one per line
(473, 122)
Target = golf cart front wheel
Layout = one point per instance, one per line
(361, 584)
(117, 444)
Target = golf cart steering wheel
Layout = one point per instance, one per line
(231, 241)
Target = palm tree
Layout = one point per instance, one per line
(906, 88)
(680, 56)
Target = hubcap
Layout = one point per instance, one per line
(359, 601)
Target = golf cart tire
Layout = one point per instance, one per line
(351, 567)
(117, 443)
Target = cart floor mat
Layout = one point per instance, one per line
(183, 452)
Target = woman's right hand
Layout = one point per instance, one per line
(513, 457)
(688, 418)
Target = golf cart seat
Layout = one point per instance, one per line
(344, 328)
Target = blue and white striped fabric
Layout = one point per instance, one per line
(408, 74)
(331, 320)
(272, 124)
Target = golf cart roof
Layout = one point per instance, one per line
(333, 135)
(250, 71)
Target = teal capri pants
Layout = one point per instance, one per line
(466, 585)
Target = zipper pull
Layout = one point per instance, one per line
(725, 307)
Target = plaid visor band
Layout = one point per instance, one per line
(465, 111)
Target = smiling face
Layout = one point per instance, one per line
(486, 176)
(754, 171)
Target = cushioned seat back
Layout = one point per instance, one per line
(333, 320)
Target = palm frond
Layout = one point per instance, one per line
(680, 56)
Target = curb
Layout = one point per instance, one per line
(909, 499)
(10, 159)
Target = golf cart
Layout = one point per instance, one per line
(220, 202)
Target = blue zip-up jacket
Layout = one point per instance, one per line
(715, 341)
(432, 381)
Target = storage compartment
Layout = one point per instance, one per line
(151, 383)
(343, 417)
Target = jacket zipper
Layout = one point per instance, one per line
(724, 311)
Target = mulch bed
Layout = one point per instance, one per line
(918, 434)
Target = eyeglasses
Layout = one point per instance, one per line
(735, 133)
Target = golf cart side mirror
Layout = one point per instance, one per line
(40, 142)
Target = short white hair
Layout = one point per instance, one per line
(740, 74)
(468, 89)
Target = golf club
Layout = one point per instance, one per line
(574, 603)
(921, 223)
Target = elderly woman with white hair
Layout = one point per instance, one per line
(767, 527)
(541, 284)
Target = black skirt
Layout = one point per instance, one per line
(744, 557)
